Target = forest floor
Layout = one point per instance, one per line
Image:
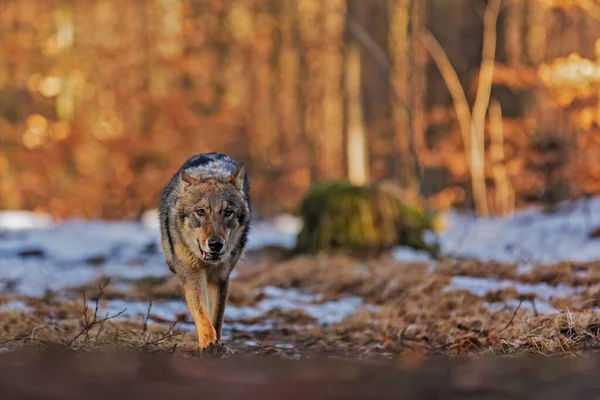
(96, 286)
(375, 329)
(330, 306)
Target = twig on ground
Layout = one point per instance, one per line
(146, 317)
(480, 332)
(513, 316)
(166, 335)
(535, 311)
(88, 325)
(260, 346)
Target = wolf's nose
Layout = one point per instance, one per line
(216, 244)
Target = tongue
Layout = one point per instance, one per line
(204, 255)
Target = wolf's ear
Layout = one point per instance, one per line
(187, 178)
(237, 178)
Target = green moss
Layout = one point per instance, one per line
(359, 219)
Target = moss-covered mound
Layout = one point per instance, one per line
(360, 219)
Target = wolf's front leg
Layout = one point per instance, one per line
(195, 296)
(217, 298)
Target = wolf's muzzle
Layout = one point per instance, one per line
(212, 255)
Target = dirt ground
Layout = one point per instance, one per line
(53, 375)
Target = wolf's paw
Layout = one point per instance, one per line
(216, 349)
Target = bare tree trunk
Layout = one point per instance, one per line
(295, 168)
(401, 99)
(505, 197)
(309, 18)
(459, 98)
(357, 150)
(65, 35)
(514, 23)
(331, 160)
(263, 129)
(535, 39)
(419, 78)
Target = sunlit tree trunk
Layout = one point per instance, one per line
(535, 34)
(296, 166)
(401, 98)
(310, 14)
(514, 24)
(65, 101)
(418, 78)
(263, 129)
(504, 197)
(331, 160)
(289, 71)
(356, 140)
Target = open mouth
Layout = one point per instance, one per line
(209, 256)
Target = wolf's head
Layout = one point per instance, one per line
(214, 214)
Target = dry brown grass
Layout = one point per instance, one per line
(417, 318)
(79, 327)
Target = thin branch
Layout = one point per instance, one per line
(459, 98)
(513, 316)
(535, 311)
(166, 335)
(367, 40)
(146, 317)
(376, 51)
(480, 332)
(87, 324)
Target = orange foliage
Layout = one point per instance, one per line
(100, 102)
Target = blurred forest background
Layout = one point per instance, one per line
(101, 101)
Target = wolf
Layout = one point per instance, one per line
(205, 215)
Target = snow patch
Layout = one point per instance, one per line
(150, 219)
(528, 236)
(524, 269)
(276, 298)
(137, 310)
(17, 306)
(331, 312)
(482, 286)
(76, 252)
(18, 220)
(408, 254)
(264, 233)
(542, 307)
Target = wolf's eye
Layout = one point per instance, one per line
(200, 212)
(228, 212)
